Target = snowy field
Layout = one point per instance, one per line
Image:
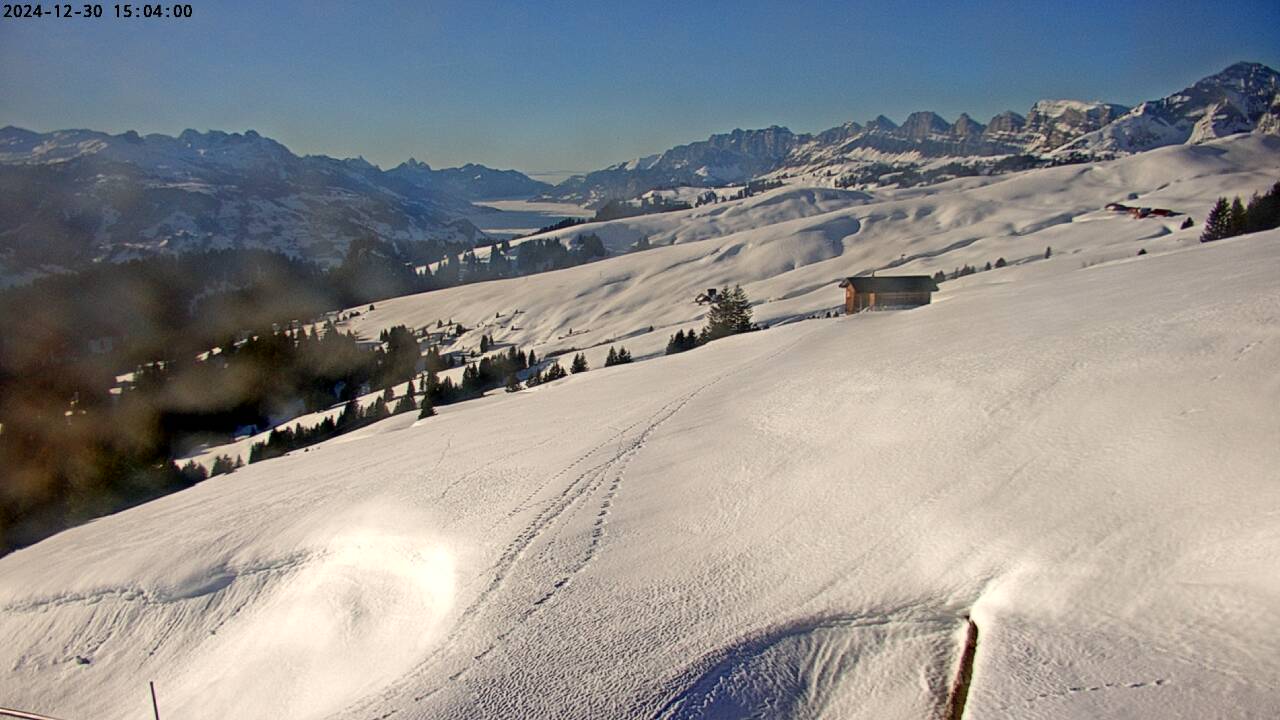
(789, 247)
(1077, 453)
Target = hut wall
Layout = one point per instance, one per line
(857, 302)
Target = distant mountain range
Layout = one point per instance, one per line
(1239, 99)
(72, 197)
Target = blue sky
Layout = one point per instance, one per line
(578, 85)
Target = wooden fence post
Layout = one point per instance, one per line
(154, 706)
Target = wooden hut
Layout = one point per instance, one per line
(886, 292)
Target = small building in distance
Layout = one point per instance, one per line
(886, 292)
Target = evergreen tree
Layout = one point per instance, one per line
(433, 359)
(939, 276)
(513, 383)
(555, 372)
(1188, 223)
(730, 313)
(1048, 253)
(624, 356)
(471, 381)
(350, 417)
(484, 344)
(1237, 220)
(988, 267)
(443, 392)
(1000, 262)
(377, 411)
(1142, 251)
(1263, 212)
(612, 359)
(425, 409)
(192, 473)
(1218, 224)
(678, 343)
(221, 465)
(579, 364)
(404, 404)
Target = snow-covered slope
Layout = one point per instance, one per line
(788, 247)
(1082, 461)
(1078, 453)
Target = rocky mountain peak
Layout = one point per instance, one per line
(1007, 122)
(920, 125)
(966, 127)
(882, 124)
(1231, 101)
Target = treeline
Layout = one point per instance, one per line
(504, 369)
(1228, 220)
(967, 269)
(617, 209)
(529, 257)
(286, 439)
(753, 187)
(884, 174)
(423, 394)
(561, 225)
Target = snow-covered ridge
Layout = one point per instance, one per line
(1243, 94)
(1055, 108)
(1239, 99)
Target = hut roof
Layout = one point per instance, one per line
(890, 283)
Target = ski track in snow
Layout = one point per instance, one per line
(584, 485)
(1068, 692)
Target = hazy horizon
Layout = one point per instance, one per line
(576, 86)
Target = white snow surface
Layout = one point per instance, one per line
(1079, 453)
(1055, 108)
